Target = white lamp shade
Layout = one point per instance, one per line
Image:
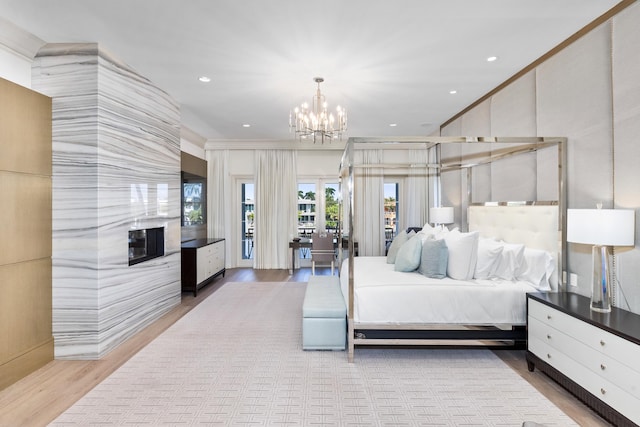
(603, 227)
(441, 215)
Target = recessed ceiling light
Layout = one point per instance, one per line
(204, 79)
(492, 58)
(393, 125)
(453, 92)
(246, 125)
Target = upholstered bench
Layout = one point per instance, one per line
(324, 312)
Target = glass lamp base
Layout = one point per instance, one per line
(601, 291)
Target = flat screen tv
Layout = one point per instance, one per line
(194, 203)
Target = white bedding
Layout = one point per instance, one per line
(385, 296)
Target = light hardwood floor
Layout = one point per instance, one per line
(39, 398)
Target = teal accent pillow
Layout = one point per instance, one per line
(434, 259)
(397, 242)
(408, 258)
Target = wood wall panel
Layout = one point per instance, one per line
(25, 306)
(26, 339)
(25, 122)
(27, 216)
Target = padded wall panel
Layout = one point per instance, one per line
(574, 100)
(513, 113)
(451, 187)
(477, 122)
(626, 104)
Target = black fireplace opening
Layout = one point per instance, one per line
(145, 244)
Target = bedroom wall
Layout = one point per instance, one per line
(590, 93)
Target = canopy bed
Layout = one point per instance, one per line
(520, 242)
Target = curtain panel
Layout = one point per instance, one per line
(276, 207)
(369, 204)
(416, 192)
(218, 194)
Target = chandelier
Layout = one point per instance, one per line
(315, 121)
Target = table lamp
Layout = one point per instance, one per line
(602, 228)
(441, 215)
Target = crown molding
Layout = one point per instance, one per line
(19, 41)
(192, 136)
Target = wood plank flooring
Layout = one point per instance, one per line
(39, 398)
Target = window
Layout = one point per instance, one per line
(391, 211)
(331, 206)
(247, 210)
(306, 209)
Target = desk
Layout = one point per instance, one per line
(306, 243)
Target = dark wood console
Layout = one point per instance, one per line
(202, 261)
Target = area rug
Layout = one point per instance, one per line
(237, 360)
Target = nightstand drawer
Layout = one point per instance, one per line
(598, 339)
(604, 390)
(600, 364)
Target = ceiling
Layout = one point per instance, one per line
(386, 62)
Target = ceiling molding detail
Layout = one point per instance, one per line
(193, 137)
(18, 40)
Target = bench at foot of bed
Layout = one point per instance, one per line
(324, 312)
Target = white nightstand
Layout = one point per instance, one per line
(594, 355)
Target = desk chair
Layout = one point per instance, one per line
(322, 250)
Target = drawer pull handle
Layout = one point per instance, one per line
(602, 343)
(548, 356)
(548, 336)
(603, 391)
(602, 366)
(548, 317)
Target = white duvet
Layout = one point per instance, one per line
(382, 295)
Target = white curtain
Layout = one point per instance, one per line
(369, 204)
(416, 193)
(218, 197)
(276, 207)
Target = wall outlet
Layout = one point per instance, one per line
(564, 276)
(573, 279)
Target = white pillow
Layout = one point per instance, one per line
(463, 254)
(511, 261)
(537, 269)
(409, 255)
(397, 242)
(489, 251)
(427, 230)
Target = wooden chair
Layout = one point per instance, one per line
(322, 250)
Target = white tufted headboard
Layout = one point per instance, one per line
(535, 226)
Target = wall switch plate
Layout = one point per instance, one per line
(573, 279)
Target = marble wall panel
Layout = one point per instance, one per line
(116, 167)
